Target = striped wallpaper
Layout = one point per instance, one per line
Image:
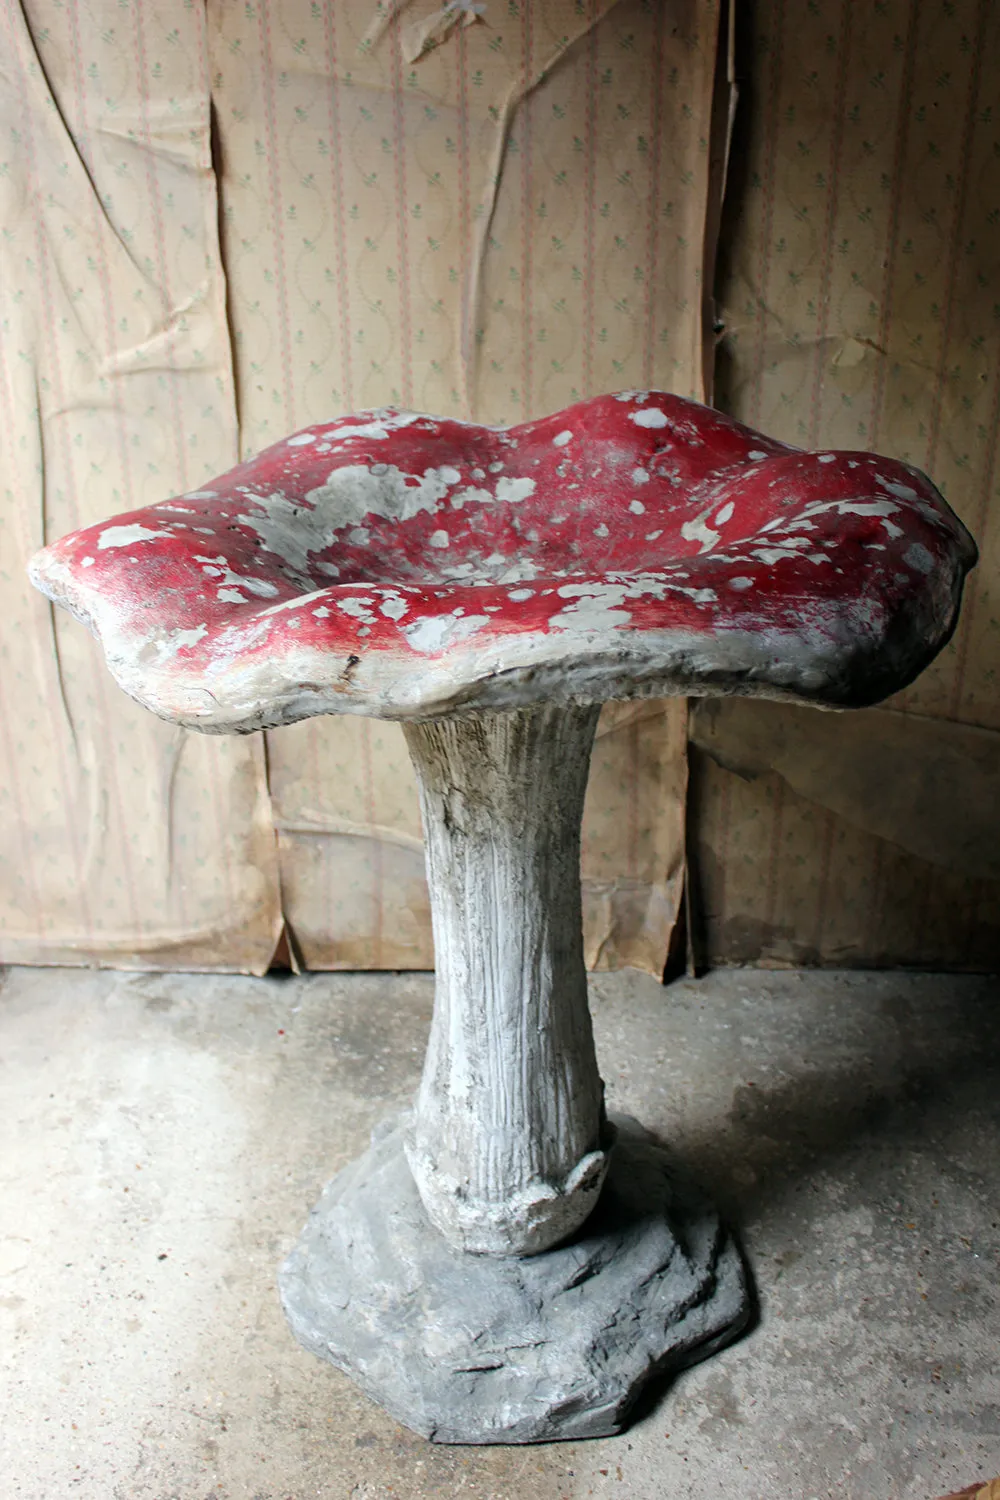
(511, 223)
(860, 287)
(122, 840)
(223, 222)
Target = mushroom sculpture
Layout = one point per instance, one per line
(506, 1264)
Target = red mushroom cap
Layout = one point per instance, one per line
(403, 566)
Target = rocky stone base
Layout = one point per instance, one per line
(474, 1349)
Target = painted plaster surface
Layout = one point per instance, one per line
(394, 564)
(508, 1350)
(509, 1144)
(501, 583)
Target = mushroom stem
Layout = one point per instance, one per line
(509, 1143)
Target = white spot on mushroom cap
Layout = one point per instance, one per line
(637, 508)
(471, 495)
(87, 562)
(649, 416)
(804, 520)
(178, 640)
(601, 531)
(562, 438)
(597, 605)
(433, 633)
(445, 475)
(350, 494)
(522, 571)
(438, 539)
(519, 595)
(218, 567)
(124, 536)
(322, 613)
(901, 491)
(918, 558)
(231, 596)
(384, 421)
(698, 530)
(514, 490)
(298, 601)
(755, 455)
(300, 439)
(772, 555)
(358, 607)
(725, 514)
(289, 531)
(197, 495)
(640, 476)
(593, 606)
(741, 583)
(394, 608)
(826, 458)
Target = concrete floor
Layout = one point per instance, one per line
(163, 1137)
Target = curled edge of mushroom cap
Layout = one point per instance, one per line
(406, 566)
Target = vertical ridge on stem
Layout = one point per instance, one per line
(509, 1141)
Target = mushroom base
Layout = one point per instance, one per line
(479, 1349)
